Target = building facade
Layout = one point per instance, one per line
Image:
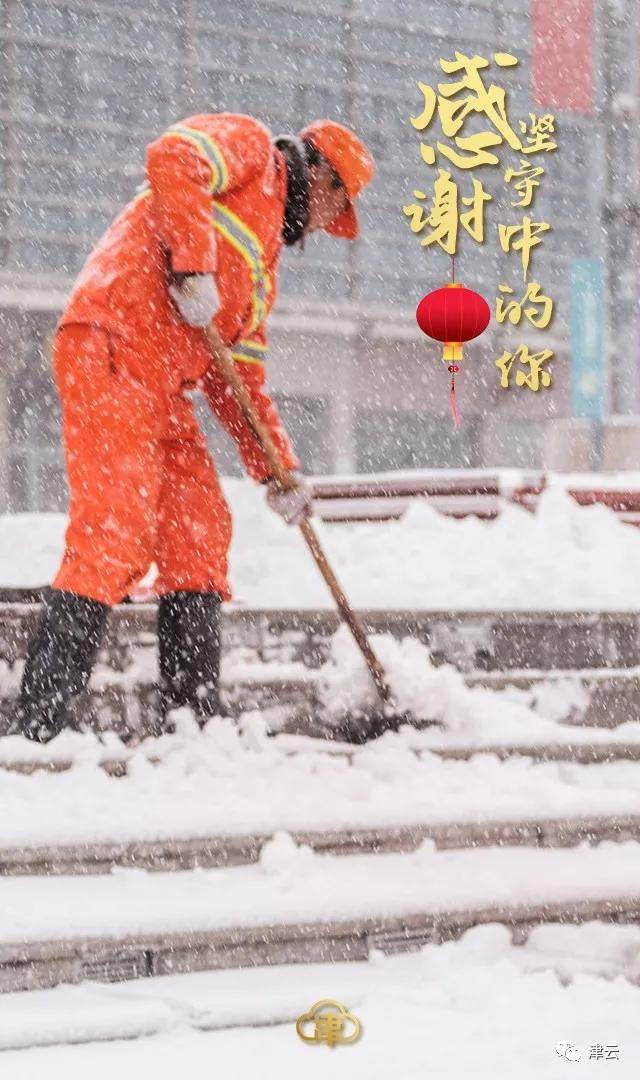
(86, 84)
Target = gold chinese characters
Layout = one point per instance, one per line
(468, 99)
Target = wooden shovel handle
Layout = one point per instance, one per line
(224, 363)
(344, 607)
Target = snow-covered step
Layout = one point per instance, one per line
(481, 985)
(297, 906)
(72, 1014)
(585, 753)
(602, 697)
(128, 702)
(213, 797)
(272, 658)
(544, 741)
(204, 1001)
(265, 996)
(91, 857)
(479, 640)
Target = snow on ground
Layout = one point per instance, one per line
(227, 782)
(479, 1007)
(291, 884)
(563, 557)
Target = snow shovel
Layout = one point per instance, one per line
(225, 366)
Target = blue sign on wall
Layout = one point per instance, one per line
(587, 339)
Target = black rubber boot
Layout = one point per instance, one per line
(59, 662)
(189, 646)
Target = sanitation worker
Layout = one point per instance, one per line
(198, 245)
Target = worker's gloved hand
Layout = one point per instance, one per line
(196, 297)
(294, 504)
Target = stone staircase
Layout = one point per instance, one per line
(114, 911)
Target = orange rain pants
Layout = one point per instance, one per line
(143, 487)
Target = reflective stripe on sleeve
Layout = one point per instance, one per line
(208, 149)
(249, 352)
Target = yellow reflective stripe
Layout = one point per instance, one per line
(183, 137)
(250, 352)
(208, 149)
(251, 343)
(248, 246)
(142, 190)
(246, 243)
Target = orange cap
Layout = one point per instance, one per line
(352, 162)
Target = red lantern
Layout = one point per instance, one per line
(453, 315)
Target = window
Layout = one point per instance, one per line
(36, 471)
(400, 439)
(305, 419)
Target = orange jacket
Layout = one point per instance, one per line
(213, 202)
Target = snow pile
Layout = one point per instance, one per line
(558, 698)
(427, 692)
(594, 948)
(285, 861)
(597, 948)
(432, 693)
(563, 557)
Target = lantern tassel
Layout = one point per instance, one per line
(455, 411)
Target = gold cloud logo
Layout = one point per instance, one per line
(328, 1022)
